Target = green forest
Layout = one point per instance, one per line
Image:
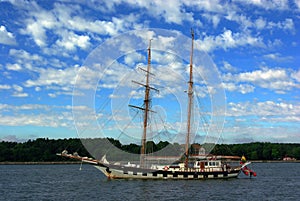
(44, 149)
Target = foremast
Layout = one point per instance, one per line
(146, 108)
(190, 104)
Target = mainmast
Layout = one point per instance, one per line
(190, 103)
(146, 108)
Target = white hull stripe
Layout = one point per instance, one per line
(115, 173)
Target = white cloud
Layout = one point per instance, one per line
(297, 2)
(4, 86)
(214, 6)
(29, 61)
(247, 23)
(35, 107)
(33, 120)
(38, 23)
(133, 58)
(242, 88)
(278, 110)
(51, 95)
(276, 120)
(69, 27)
(37, 31)
(260, 23)
(228, 40)
(287, 25)
(51, 76)
(6, 37)
(267, 75)
(70, 41)
(277, 79)
(13, 67)
(227, 67)
(18, 88)
(267, 4)
(40, 115)
(24, 55)
(20, 95)
(241, 133)
(18, 92)
(278, 57)
(296, 75)
(171, 13)
(213, 18)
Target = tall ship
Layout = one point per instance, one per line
(188, 166)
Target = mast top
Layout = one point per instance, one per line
(192, 33)
(149, 47)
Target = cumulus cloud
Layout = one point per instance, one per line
(13, 67)
(6, 37)
(242, 88)
(39, 115)
(52, 76)
(18, 91)
(70, 41)
(260, 23)
(227, 67)
(20, 94)
(278, 57)
(272, 118)
(297, 2)
(162, 9)
(267, 4)
(279, 80)
(266, 111)
(250, 23)
(24, 55)
(296, 75)
(287, 25)
(18, 88)
(64, 20)
(228, 40)
(4, 86)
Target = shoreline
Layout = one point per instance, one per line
(78, 162)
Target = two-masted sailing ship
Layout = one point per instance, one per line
(189, 167)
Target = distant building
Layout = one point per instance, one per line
(197, 149)
(287, 158)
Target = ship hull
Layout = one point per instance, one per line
(121, 172)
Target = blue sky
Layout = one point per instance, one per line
(46, 45)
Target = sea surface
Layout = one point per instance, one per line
(274, 181)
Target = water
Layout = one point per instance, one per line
(275, 181)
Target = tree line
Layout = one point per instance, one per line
(44, 149)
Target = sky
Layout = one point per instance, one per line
(66, 67)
